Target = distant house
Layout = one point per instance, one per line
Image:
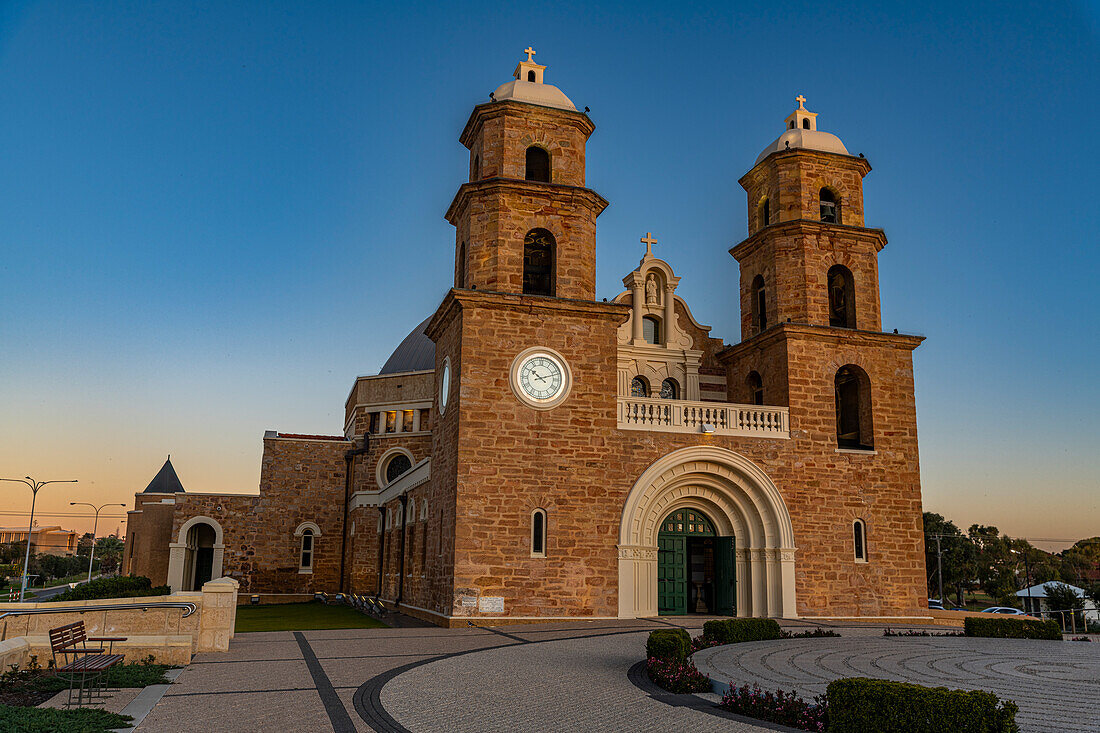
(45, 540)
(1034, 599)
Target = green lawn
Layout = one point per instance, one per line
(302, 617)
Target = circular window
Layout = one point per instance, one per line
(397, 466)
(445, 386)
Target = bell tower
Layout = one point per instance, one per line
(808, 258)
(525, 222)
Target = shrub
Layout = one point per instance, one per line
(668, 645)
(51, 720)
(736, 630)
(121, 586)
(861, 705)
(1012, 628)
(817, 633)
(677, 676)
(785, 708)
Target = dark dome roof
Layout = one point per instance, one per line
(166, 481)
(416, 353)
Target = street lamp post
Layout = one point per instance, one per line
(35, 486)
(95, 526)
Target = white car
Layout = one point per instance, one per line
(1005, 610)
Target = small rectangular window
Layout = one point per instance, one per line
(406, 421)
(391, 422)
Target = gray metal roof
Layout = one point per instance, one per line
(166, 481)
(416, 353)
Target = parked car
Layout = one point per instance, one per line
(935, 603)
(1005, 610)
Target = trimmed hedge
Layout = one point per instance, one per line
(736, 630)
(861, 705)
(119, 586)
(672, 645)
(1012, 628)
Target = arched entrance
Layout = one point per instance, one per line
(694, 566)
(196, 557)
(739, 501)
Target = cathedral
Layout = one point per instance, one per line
(532, 451)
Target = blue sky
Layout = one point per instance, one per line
(214, 216)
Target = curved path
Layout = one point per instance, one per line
(1056, 684)
(561, 684)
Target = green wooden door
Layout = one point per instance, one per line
(723, 576)
(672, 558)
(671, 575)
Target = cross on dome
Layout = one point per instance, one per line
(527, 70)
(648, 240)
(801, 118)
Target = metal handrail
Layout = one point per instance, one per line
(188, 607)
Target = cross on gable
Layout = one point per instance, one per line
(530, 52)
(648, 241)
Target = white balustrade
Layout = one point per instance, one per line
(721, 418)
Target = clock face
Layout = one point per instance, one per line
(541, 377)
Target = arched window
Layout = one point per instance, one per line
(759, 304)
(410, 514)
(305, 562)
(859, 532)
(806, 124)
(538, 164)
(531, 75)
(765, 212)
(651, 330)
(639, 387)
(842, 297)
(790, 125)
(396, 466)
(854, 429)
(670, 389)
(538, 533)
(756, 388)
(460, 276)
(475, 169)
(830, 207)
(538, 262)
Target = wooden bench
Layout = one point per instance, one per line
(80, 664)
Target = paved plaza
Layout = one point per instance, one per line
(576, 677)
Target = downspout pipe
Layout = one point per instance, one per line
(349, 481)
(381, 547)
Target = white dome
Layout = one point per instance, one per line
(544, 95)
(806, 139)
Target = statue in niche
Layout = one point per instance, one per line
(651, 290)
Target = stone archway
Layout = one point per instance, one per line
(740, 500)
(187, 556)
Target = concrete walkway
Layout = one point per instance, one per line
(561, 677)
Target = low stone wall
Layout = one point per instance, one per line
(163, 633)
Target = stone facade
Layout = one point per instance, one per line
(452, 535)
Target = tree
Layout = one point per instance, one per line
(995, 567)
(84, 546)
(1061, 597)
(109, 552)
(957, 559)
(1083, 561)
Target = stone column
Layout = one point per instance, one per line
(637, 581)
(177, 553)
(670, 314)
(744, 584)
(759, 582)
(638, 303)
(786, 573)
(217, 569)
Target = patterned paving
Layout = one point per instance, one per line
(1056, 684)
